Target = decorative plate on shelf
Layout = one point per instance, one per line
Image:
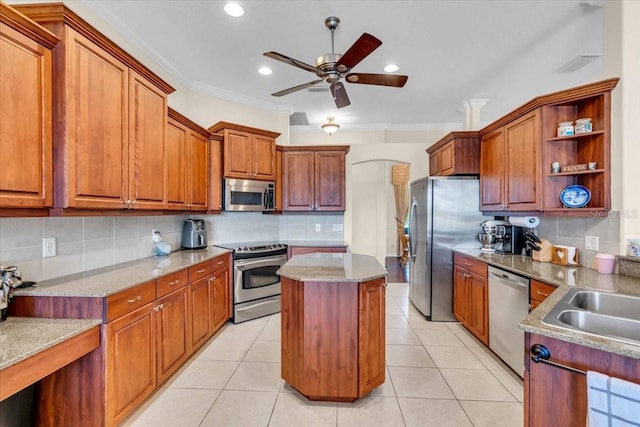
(575, 196)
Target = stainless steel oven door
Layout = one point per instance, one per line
(256, 278)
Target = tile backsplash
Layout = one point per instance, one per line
(572, 231)
(85, 243)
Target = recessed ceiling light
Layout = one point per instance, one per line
(391, 68)
(234, 9)
(265, 71)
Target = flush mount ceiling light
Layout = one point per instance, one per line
(234, 9)
(265, 71)
(391, 68)
(330, 127)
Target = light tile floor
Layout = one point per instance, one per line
(438, 374)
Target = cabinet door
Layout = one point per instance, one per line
(200, 297)
(221, 298)
(237, 154)
(26, 177)
(522, 139)
(198, 172)
(263, 158)
(492, 171)
(434, 163)
(371, 332)
(147, 121)
(215, 176)
(96, 140)
(298, 181)
(172, 332)
(460, 295)
(131, 361)
(447, 159)
(329, 181)
(176, 177)
(478, 321)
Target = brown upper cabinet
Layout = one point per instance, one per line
(517, 152)
(111, 112)
(457, 153)
(313, 178)
(215, 173)
(26, 110)
(509, 166)
(248, 153)
(187, 157)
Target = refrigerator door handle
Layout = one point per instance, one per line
(412, 228)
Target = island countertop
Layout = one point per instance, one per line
(332, 267)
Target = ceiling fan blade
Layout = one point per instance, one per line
(394, 80)
(357, 52)
(296, 88)
(280, 57)
(339, 95)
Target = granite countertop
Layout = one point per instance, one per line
(23, 337)
(565, 278)
(105, 281)
(316, 243)
(332, 267)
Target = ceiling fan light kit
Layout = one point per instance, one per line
(331, 67)
(330, 127)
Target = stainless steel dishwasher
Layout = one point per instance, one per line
(508, 305)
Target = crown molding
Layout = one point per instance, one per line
(228, 95)
(385, 127)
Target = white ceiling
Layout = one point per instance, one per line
(506, 51)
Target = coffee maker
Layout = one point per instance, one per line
(509, 239)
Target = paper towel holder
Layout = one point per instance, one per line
(524, 221)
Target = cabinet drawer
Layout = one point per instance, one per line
(199, 271)
(471, 264)
(130, 299)
(220, 262)
(171, 282)
(540, 290)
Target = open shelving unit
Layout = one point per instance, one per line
(582, 148)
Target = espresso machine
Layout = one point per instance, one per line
(510, 240)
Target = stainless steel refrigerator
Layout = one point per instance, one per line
(444, 216)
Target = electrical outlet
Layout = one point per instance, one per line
(591, 243)
(318, 227)
(336, 227)
(49, 247)
(156, 237)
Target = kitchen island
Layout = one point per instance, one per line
(333, 325)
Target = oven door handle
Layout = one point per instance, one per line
(242, 265)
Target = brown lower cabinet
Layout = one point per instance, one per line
(149, 331)
(333, 338)
(470, 295)
(557, 397)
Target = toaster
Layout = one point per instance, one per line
(194, 234)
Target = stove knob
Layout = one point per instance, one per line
(246, 249)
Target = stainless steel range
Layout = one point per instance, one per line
(256, 286)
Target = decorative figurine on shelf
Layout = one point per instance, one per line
(555, 167)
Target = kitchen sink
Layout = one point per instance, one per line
(613, 316)
(607, 304)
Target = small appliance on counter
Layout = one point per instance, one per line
(490, 232)
(510, 239)
(194, 234)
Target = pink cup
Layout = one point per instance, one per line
(605, 263)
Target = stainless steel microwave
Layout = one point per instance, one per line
(246, 195)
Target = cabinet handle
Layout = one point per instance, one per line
(202, 270)
(541, 293)
(128, 202)
(158, 307)
(136, 299)
(220, 262)
(467, 263)
(175, 282)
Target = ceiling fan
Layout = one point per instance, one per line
(331, 67)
